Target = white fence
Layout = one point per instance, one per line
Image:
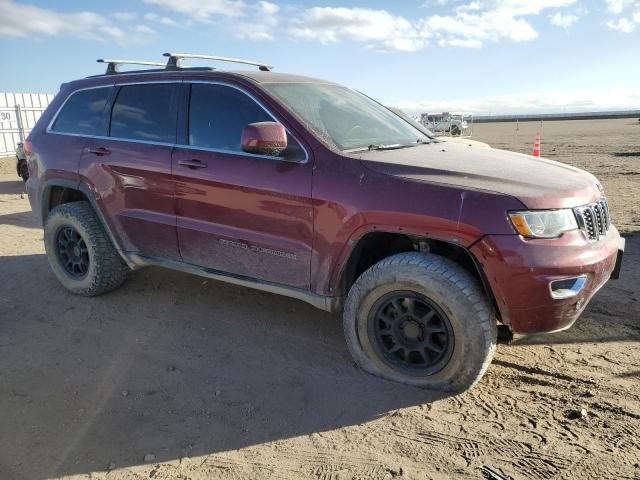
(19, 112)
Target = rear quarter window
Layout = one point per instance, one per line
(144, 113)
(82, 113)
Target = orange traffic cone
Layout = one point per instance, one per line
(536, 146)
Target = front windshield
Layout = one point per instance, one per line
(346, 118)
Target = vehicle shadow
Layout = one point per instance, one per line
(170, 364)
(13, 187)
(176, 365)
(21, 219)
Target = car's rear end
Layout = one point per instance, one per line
(52, 158)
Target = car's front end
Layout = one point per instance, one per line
(544, 284)
(544, 259)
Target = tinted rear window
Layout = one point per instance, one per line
(82, 112)
(143, 112)
(218, 114)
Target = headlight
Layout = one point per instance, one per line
(544, 223)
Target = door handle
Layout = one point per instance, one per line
(100, 151)
(193, 163)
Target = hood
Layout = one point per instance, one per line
(464, 141)
(536, 182)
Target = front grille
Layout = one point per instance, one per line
(594, 219)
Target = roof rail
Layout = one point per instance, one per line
(113, 66)
(176, 58)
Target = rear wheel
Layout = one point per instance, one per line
(422, 320)
(80, 252)
(23, 170)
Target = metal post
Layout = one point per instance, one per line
(19, 120)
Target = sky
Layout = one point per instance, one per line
(478, 56)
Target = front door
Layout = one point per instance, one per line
(239, 213)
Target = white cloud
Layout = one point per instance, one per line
(561, 20)
(125, 16)
(21, 20)
(627, 14)
(469, 25)
(202, 10)
(144, 29)
(434, 3)
(379, 27)
(266, 16)
(154, 17)
(548, 102)
(255, 21)
(619, 6)
(622, 24)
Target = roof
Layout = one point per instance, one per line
(175, 68)
(274, 77)
(255, 76)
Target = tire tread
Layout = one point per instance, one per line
(464, 288)
(110, 270)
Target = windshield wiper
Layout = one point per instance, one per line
(382, 146)
(396, 146)
(390, 146)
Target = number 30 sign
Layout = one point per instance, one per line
(7, 115)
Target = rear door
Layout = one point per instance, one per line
(81, 116)
(239, 213)
(130, 168)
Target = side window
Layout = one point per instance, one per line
(218, 114)
(82, 112)
(143, 112)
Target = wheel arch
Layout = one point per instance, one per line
(374, 246)
(59, 191)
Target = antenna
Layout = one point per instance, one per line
(175, 59)
(113, 66)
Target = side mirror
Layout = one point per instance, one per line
(264, 138)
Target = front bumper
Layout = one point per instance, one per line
(520, 271)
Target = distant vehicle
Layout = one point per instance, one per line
(426, 131)
(21, 163)
(445, 122)
(306, 188)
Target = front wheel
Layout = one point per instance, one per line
(420, 319)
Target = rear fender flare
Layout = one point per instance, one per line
(90, 196)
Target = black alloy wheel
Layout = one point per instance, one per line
(24, 171)
(411, 333)
(72, 252)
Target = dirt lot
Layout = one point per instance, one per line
(214, 381)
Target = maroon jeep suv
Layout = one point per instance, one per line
(309, 189)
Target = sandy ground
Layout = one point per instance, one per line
(209, 380)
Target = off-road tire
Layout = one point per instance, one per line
(106, 271)
(449, 287)
(23, 170)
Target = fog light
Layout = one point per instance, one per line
(567, 287)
